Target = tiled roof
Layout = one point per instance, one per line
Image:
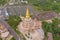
(45, 15)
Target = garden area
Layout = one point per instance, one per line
(46, 5)
(0, 38)
(13, 21)
(2, 2)
(53, 28)
(12, 38)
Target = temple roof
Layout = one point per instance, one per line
(44, 15)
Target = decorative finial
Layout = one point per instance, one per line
(27, 14)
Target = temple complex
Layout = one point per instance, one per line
(4, 33)
(31, 28)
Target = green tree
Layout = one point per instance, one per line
(2, 2)
(12, 38)
(13, 21)
(46, 5)
(0, 38)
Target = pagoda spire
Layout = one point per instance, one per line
(27, 13)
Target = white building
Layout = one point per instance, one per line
(31, 29)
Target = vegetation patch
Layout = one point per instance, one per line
(2, 2)
(51, 27)
(13, 21)
(46, 5)
(12, 38)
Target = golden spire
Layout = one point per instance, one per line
(27, 14)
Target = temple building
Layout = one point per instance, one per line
(31, 28)
(4, 33)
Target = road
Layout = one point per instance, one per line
(12, 10)
(16, 10)
(12, 32)
(21, 9)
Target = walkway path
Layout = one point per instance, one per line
(12, 32)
